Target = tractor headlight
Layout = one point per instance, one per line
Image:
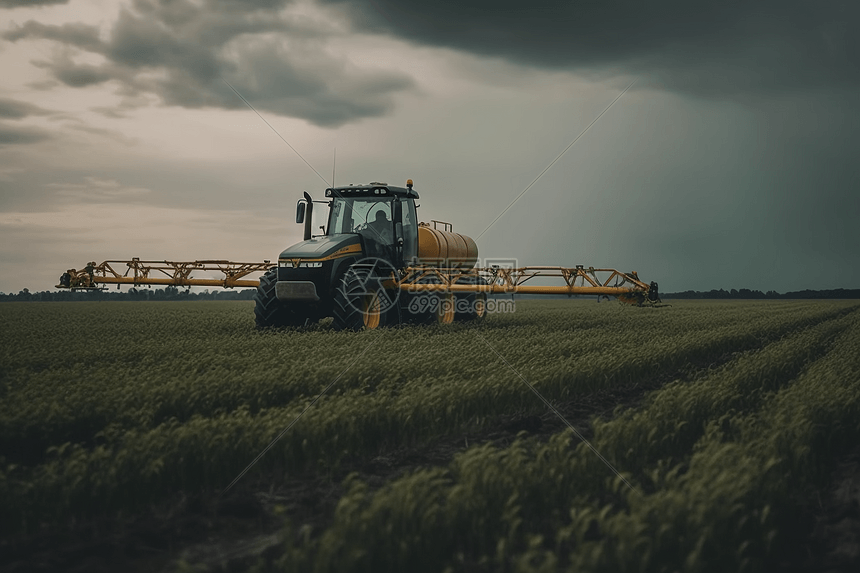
(290, 265)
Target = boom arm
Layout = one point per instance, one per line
(139, 272)
(497, 280)
(578, 280)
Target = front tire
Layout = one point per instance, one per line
(269, 312)
(360, 302)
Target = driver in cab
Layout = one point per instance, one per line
(380, 229)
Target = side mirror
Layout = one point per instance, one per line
(300, 212)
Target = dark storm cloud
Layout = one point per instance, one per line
(14, 135)
(707, 47)
(15, 109)
(181, 50)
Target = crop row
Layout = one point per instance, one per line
(378, 405)
(716, 481)
(172, 365)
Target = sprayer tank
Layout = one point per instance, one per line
(446, 249)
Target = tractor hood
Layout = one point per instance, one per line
(324, 248)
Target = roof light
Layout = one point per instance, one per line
(409, 183)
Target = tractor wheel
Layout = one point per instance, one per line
(268, 310)
(428, 307)
(361, 302)
(471, 305)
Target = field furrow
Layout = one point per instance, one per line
(711, 503)
(140, 402)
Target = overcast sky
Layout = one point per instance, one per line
(732, 161)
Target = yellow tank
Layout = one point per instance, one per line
(446, 249)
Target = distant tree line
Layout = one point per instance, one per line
(757, 294)
(136, 294)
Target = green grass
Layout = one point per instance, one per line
(108, 407)
(717, 465)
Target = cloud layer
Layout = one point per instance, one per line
(273, 51)
(11, 109)
(708, 48)
(29, 3)
(14, 135)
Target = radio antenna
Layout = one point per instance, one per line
(333, 165)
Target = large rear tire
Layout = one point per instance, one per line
(269, 312)
(360, 302)
(431, 307)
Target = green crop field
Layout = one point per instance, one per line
(701, 434)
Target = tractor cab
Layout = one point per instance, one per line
(382, 217)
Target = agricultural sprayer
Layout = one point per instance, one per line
(374, 264)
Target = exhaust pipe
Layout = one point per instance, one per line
(309, 216)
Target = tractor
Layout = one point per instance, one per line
(353, 270)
